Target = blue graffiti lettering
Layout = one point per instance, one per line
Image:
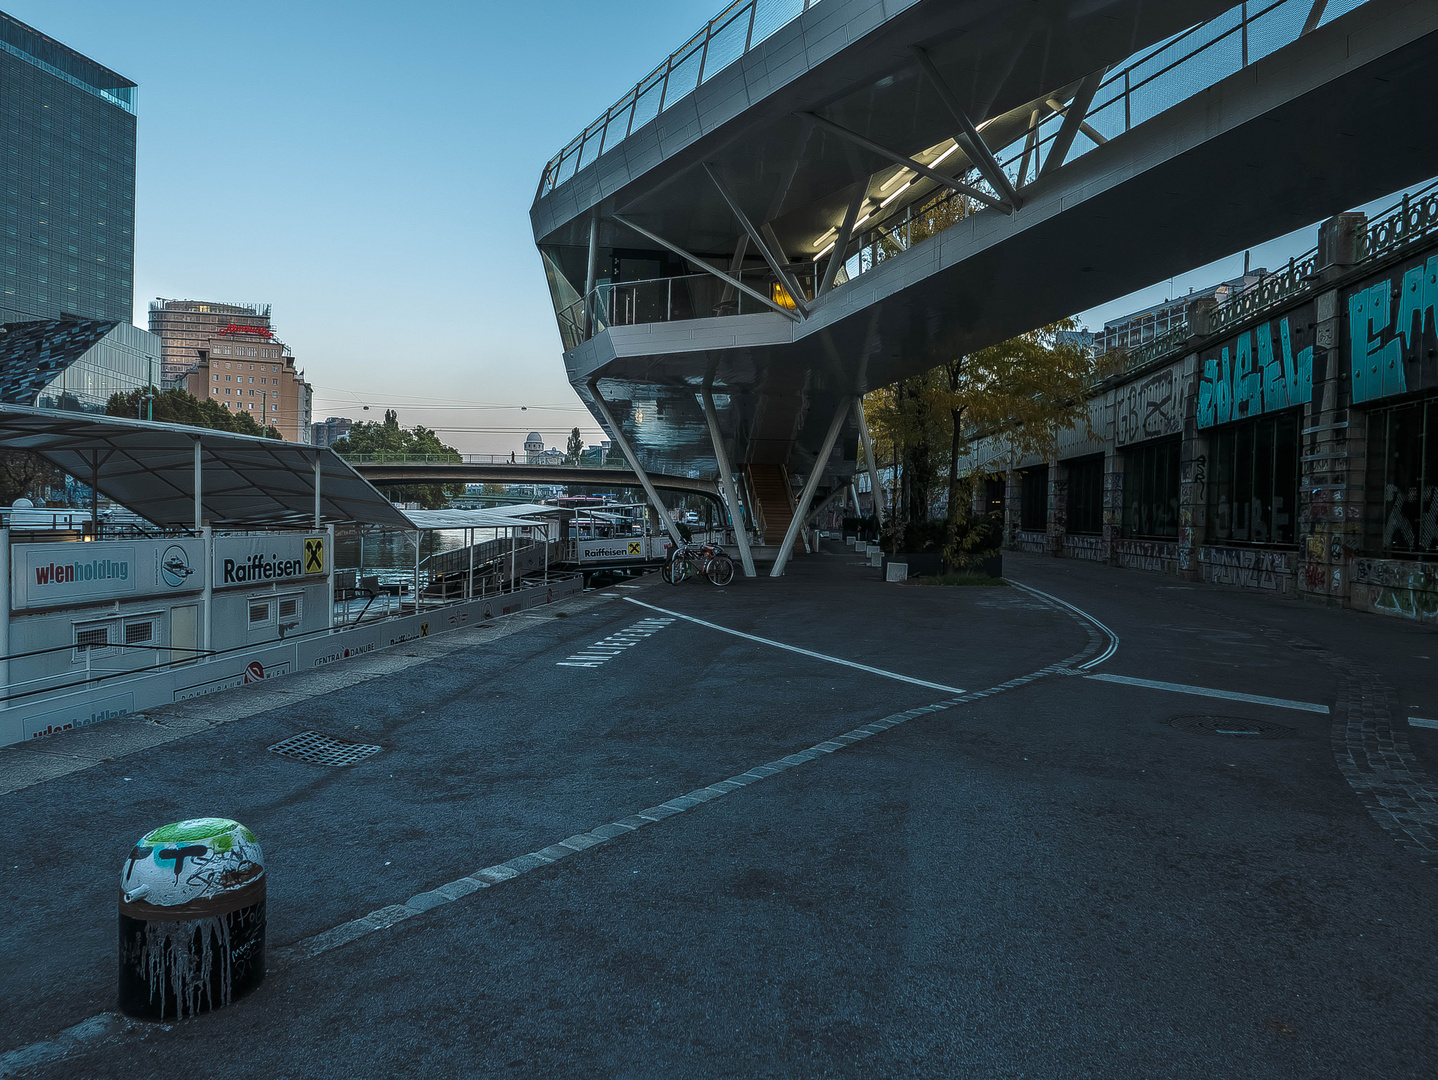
(1249, 379)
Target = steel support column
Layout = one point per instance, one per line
(726, 482)
(1074, 116)
(591, 276)
(876, 502)
(806, 497)
(978, 150)
(759, 239)
(628, 451)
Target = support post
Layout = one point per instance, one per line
(875, 498)
(726, 482)
(199, 477)
(764, 243)
(330, 570)
(207, 596)
(319, 467)
(469, 581)
(591, 276)
(417, 535)
(841, 241)
(4, 607)
(973, 142)
(1074, 116)
(806, 497)
(628, 451)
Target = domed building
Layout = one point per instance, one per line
(533, 445)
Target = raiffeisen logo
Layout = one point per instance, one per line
(261, 568)
(94, 570)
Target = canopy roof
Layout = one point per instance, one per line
(246, 481)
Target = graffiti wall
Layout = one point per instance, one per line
(1156, 555)
(1407, 590)
(1083, 547)
(1259, 371)
(1248, 568)
(1151, 407)
(1391, 340)
(1035, 542)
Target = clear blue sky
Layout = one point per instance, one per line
(368, 169)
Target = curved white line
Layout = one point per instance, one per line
(1112, 637)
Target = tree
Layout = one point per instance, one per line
(396, 443)
(26, 475)
(1029, 388)
(575, 449)
(176, 406)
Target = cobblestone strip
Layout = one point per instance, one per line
(1374, 757)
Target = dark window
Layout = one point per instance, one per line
(1034, 499)
(1150, 489)
(1252, 481)
(1405, 446)
(994, 497)
(1085, 495)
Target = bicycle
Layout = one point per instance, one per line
(690, 560)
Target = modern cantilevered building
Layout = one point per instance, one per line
(813, 198)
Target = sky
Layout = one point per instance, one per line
(368, 168)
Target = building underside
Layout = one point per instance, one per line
(876, 187)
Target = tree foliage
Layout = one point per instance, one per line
(1023, 391)
(387, 437)
(176, 406)
(574, 450)
(26, 475)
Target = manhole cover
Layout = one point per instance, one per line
(1235, 726)
(319, 749)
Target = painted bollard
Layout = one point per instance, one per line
(192, 919)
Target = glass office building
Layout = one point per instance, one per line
(69, 146)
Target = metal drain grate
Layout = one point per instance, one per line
(1233, 726)
(319, 749)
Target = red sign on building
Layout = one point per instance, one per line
(235, 328)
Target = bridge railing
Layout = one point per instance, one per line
(517, 460)
(725, 38)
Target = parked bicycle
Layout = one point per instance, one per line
(694, 560)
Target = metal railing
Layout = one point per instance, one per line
(517, 460)
(725, 38)
(1414, 218)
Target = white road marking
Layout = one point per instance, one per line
(1418, 721)
(802, 652)
(1112, 637)
(594, 655)
(1203, 691)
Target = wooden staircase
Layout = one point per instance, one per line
(775, 499)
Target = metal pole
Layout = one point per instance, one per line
(628, 451)
(208, 595)
(810, 486)
(330, 570)
(319, 466)
(513, 558)
(199, 478)
(591, 277)
(868, 445)
(469, 581)
(5, 570)
(726, 480)
(417, 535)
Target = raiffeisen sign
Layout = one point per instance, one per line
(258, 560)
(58, 575)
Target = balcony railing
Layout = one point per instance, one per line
(588, 461)
(725, 38)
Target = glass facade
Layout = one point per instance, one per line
(1404, 451)
(1252, 490)
(1150, 489)
(126, 359)
(69, 144)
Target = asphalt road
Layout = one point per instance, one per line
(1042, 877)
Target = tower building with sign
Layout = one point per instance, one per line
(187, 326)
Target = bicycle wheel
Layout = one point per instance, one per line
(720, 570)
(667, 574)
(678, 568)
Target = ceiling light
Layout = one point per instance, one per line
(826, 250)
(895, 195)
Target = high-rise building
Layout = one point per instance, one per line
(331, 431)
(186, 327)
(69, 137)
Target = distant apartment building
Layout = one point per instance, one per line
(187, 326)
(69, 133)
(1153, 322)
(331, 430)
(246, 368)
